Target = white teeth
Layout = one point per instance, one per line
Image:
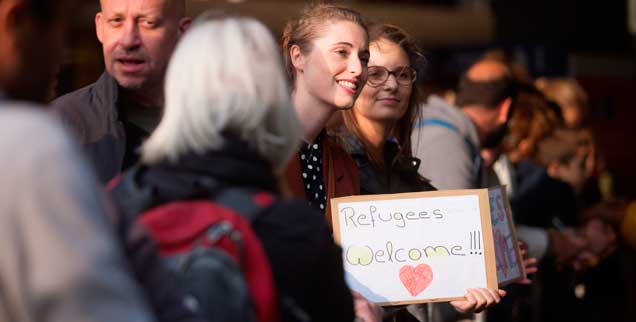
(349, 85)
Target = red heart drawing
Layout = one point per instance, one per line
(416, 279)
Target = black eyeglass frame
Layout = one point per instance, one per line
(394, 73)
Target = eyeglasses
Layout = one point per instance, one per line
(378, 75)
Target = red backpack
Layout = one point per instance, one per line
(208, 241)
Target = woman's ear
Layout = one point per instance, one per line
(297, 58)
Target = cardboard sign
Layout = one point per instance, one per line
(507, 255)
(416, 247)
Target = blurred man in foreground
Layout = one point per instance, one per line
(59, 260)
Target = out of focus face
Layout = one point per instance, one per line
(573, 172)
(335, 69)
(138, 37)
(572, 116)
(31, 50)
(385, 97)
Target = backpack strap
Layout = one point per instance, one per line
(250, 203)
(246, 201)
(132, 198)
(438, 122)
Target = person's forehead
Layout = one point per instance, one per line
(342, 31)
(387, 53)
(136, 6)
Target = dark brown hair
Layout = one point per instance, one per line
(404, 126)
(302, 30)
(532, 120)
(562, 146)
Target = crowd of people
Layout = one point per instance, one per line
(207, 134)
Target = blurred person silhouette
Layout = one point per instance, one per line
(572, 101)
(112, 116)
(532, 121)
(537, 199)
(229, 126)
(570, 97)
(605, 218)
(547, 198)
(60, 258)
(449, 139)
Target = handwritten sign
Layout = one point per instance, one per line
(416, 247)
(507, 254)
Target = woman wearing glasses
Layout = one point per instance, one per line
(378, 128)
(378, 136)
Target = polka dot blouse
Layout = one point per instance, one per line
(311, 172)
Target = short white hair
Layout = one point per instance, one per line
(225, 76)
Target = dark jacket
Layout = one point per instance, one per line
(341, 175)
(306, 263)
(93, 113)
(399, 175)
(540, 200)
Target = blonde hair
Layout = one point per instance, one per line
(532, 120)
(225, 77)
(566, 92)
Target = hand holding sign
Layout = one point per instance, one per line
(529, 263)
(478, 299)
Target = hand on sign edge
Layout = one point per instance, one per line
(478, 299)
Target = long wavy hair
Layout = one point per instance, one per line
(403, 128)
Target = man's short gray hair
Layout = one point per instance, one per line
(225, 76)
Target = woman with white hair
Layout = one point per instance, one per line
(228, 119)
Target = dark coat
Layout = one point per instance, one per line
(93, 113)
(306, 263)
(540, 200)
(399, 175)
